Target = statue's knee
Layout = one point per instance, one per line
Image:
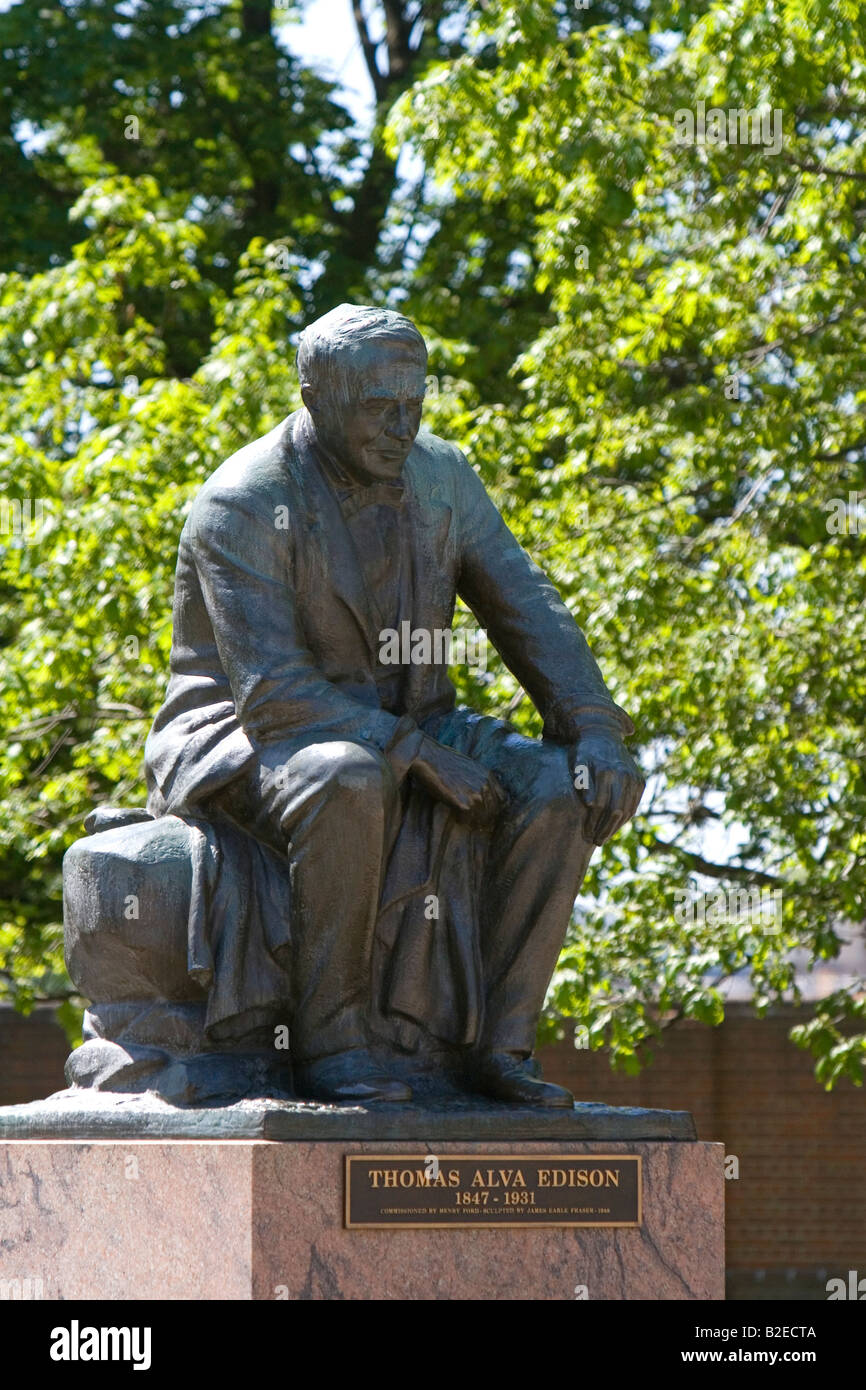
(549, 793)
(351, 772)
(549, 783)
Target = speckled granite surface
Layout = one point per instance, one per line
(241, 1219)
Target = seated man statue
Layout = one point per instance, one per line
(424, 858)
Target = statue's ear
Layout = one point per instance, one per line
(310, 397)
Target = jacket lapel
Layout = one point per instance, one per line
(428, 520)
(326, 527)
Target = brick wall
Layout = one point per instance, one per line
(32, 1053)
(796, 1215)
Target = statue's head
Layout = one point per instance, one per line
(362, 376)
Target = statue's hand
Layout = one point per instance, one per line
(608, 781)
(459, 781)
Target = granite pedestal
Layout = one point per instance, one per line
(261, 1219)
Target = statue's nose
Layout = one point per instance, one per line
(399, 424)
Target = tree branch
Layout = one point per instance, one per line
(368, 48)
(809, 168)
(720, 871)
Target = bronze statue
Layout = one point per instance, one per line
(342, 854)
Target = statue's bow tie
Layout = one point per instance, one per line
(388, 494)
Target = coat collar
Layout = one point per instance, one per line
(427, 519)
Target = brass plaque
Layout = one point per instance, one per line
(472, 1190)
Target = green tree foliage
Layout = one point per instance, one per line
(652, 350)
(690, 411)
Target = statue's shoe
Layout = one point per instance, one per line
(505, 1076)
(350, 1077)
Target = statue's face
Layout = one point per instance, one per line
(371, 433)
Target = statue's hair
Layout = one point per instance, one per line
(326, 347)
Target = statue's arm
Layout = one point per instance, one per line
(528, 622)
(244, 569)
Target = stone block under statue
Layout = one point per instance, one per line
(142, 1220)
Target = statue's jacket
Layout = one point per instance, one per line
(276, 640)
